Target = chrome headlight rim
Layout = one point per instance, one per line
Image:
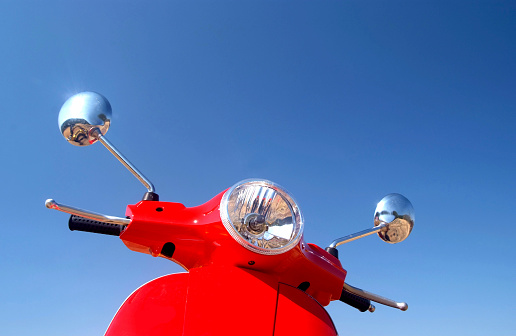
(287, 198)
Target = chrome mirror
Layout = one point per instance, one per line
(85, 118)
(84, 115)
(396, 214)
(393, 221)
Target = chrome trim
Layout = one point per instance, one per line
(51, 204)
(376, 298)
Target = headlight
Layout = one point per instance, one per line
(261, 216)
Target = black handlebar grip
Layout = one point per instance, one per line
(355, 301)
(77, 223)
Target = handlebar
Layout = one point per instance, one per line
(77, 223)
(51, 204)
(374, 297)
(356, 301)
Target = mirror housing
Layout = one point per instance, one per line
(82, 115)
(397, 213)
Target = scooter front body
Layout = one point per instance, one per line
(227, 288)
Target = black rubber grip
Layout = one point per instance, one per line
(355, 301)
(77, 223)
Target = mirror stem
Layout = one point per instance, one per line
(358, 235)
(123, 160)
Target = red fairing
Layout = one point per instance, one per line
(156, 308)
(196, 232)
(299, 314)
(229, 289)
(220, 301)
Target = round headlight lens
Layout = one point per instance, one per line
(261, 216)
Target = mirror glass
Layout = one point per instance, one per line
(396, 211)
(82, 113)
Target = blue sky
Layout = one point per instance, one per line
(341, 102)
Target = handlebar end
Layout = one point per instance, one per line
(402, 306)
(50, 203)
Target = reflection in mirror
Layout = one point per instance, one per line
(82, 115)
(397, 212)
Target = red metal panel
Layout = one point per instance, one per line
(155, 309)
(220, 301)
(300, 315)
(230, 301)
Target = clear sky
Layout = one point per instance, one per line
(340, 102)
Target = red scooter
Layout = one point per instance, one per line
(243, 251)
